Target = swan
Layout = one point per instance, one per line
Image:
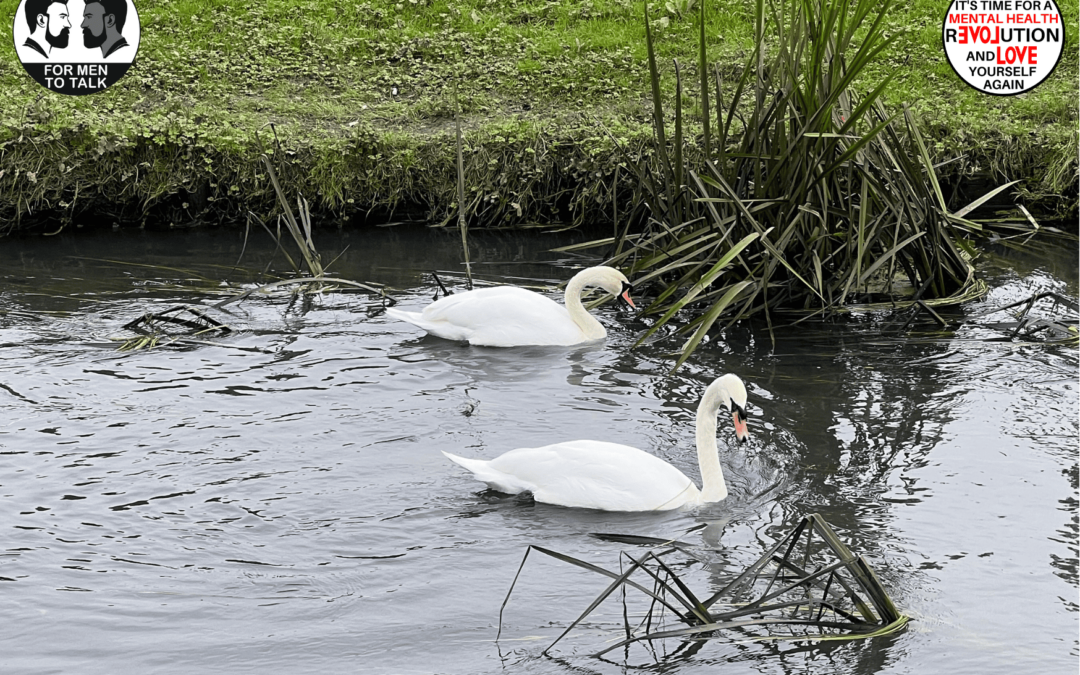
(613, 477)
(508, 316)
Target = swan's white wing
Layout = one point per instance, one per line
(497, 317)
(597, 475)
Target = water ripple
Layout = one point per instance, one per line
(182, 505)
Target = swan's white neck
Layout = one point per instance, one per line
(713, 487)
(590, 327)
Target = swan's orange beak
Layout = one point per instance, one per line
(741, 432)
(626, 296)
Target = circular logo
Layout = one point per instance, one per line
(1003, 47)
(76, 47)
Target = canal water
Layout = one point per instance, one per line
(275, 501)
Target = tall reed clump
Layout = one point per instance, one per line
(803, 194)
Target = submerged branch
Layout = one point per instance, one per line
(323, 282)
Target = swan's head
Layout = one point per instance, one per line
(734, 393)
(611, 280)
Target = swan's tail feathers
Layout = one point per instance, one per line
(477, 466)
(441, 329)
(495, 479)
(412, 317)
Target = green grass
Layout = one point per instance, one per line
(533, 75)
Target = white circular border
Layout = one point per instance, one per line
(988, 45)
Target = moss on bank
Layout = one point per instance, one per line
(362, 97)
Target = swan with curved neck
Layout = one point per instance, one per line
(613, 477)
(509, 316)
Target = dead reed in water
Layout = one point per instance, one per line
(160, 329)
(808, 586)
(181, 324)
(316, 281)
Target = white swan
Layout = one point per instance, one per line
(613, 477)
(508, 316)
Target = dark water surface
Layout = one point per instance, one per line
(278, 503)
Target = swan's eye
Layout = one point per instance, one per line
(740, 411)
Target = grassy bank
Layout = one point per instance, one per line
(544, 88)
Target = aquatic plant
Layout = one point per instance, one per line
(300, 231)
(153, 330)
(1054, 327)
(463, 221)
(817, 589)
(170, 326)
(810, 197)
(314, 281)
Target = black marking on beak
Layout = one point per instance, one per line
(739, 413)
(624, 294)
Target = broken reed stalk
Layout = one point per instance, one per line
(300, 231)
(1061, 331)
(317, 281)
(150, 336)
(201, 322)
(462, 223)
(833, 594)
(324, 284)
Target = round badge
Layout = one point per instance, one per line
(1003, 47)
(76, 47)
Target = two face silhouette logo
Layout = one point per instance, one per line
(76, 46)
